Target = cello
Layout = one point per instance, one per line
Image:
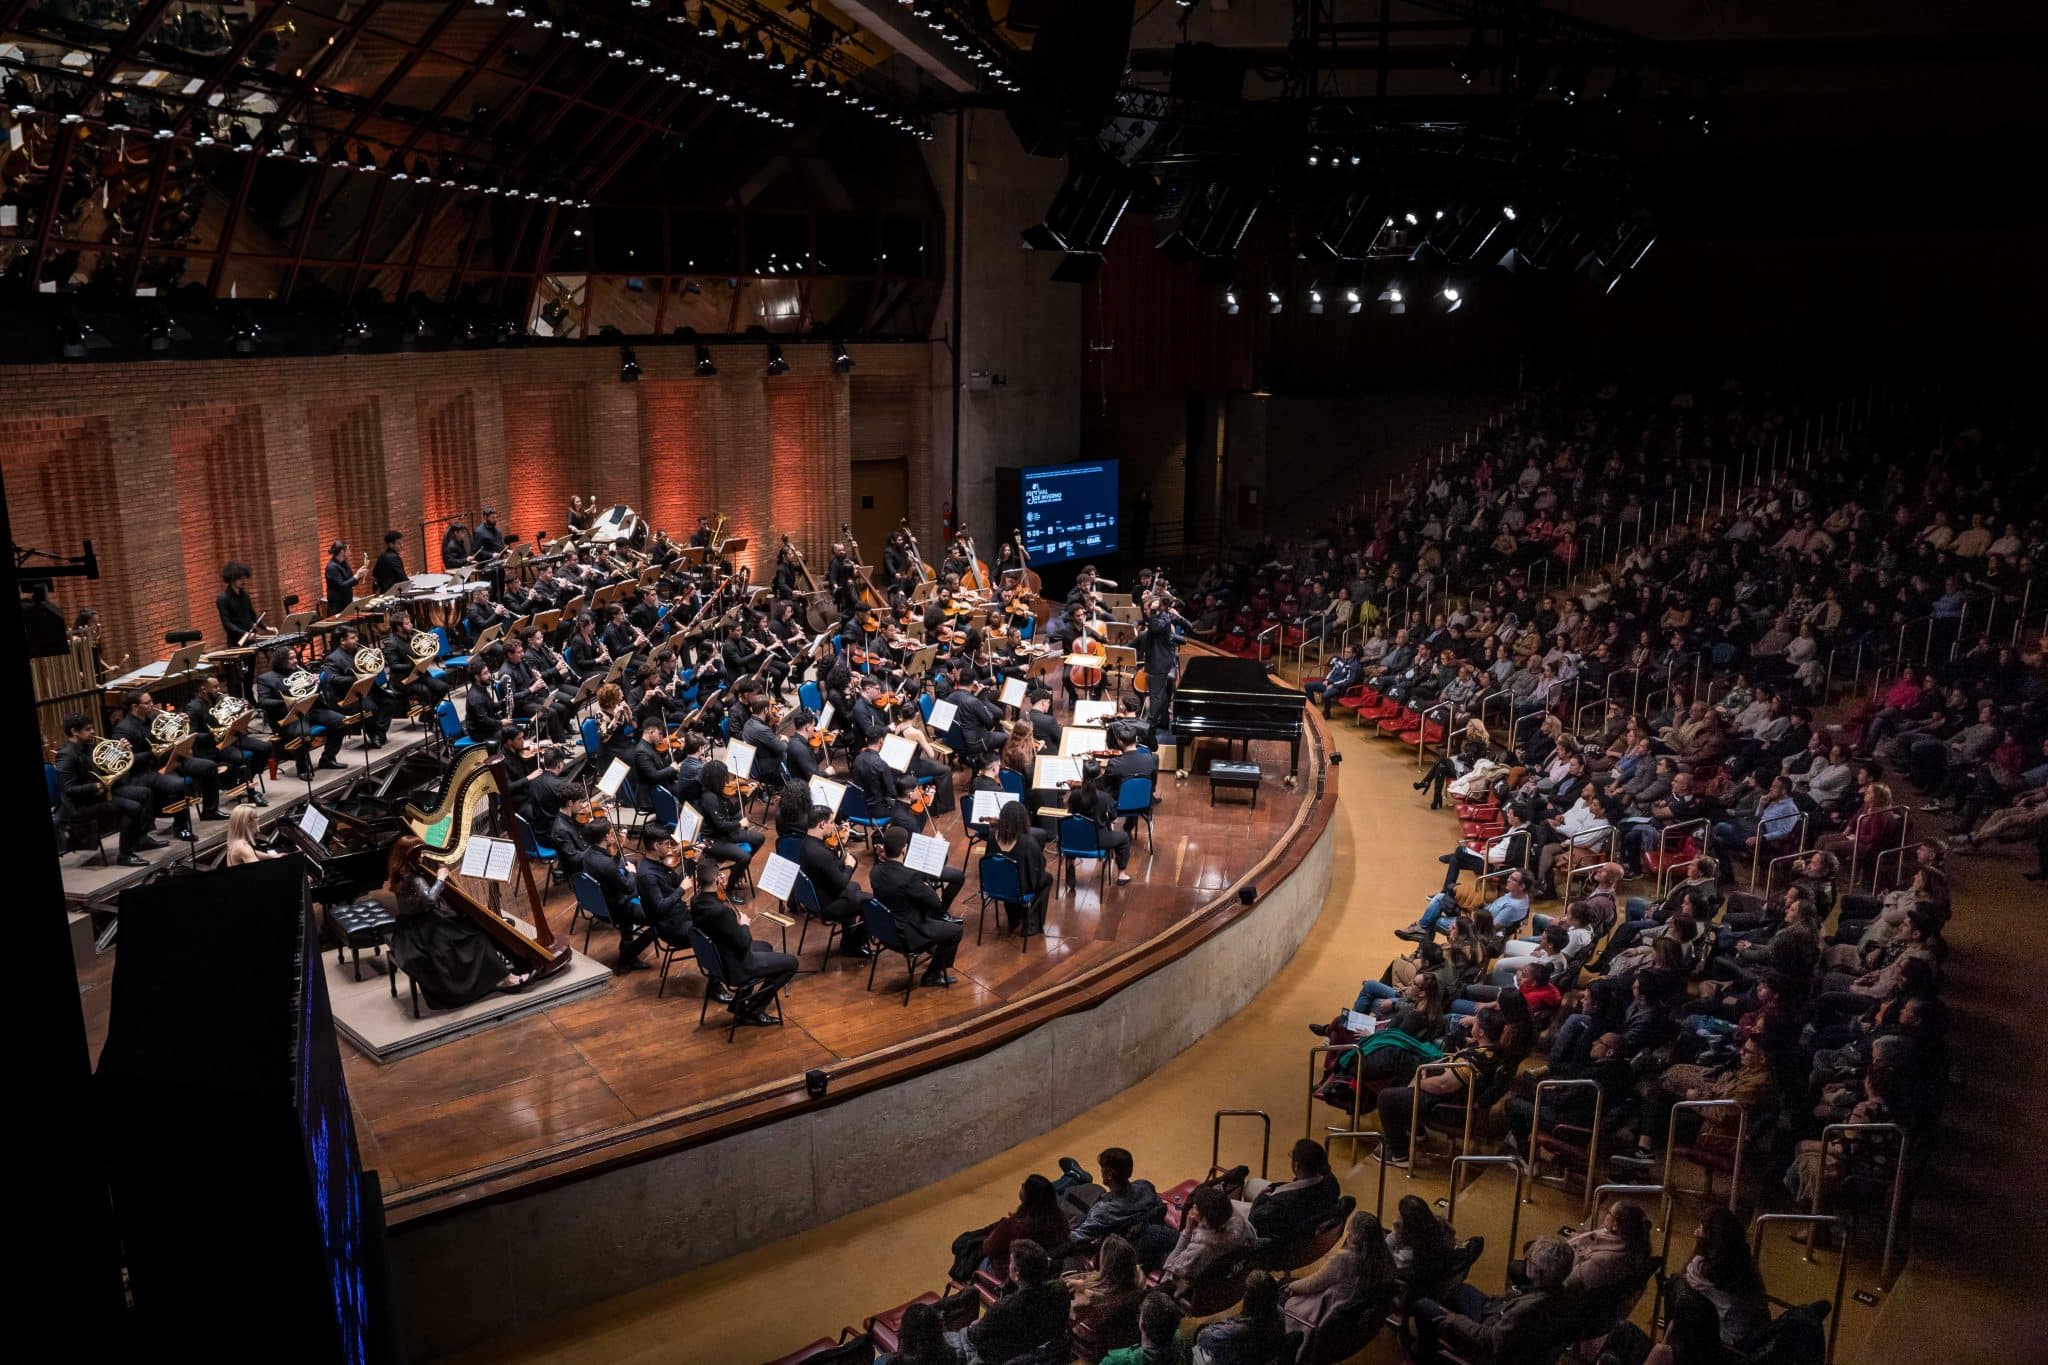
(1086, 675)
(1029, 582)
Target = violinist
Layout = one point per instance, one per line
(1093, 801)
(974, 720)
(1132, 762)
(573, 831)
(884, 788)
(804, 752)
(928, 762)
(729, 837)
(756, 970)
(1038, 711)
(652, 766)
(770, 753)
(606, 864)
(823, 856)
(522, 763)
(1158, 644)
(548, 793)
(869, 721)
(1016, 838)
(923, 916)
(696, 751)
(663, 891)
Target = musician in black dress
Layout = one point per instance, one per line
(237, 611)
(729, 837)
(756, 969)
(340, 578)
(919, 911)
(82, 798)
(389, 570)
(585, 653)
(445, 952)
(1094, 802)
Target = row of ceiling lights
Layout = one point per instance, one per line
(960, 41)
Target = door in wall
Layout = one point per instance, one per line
(881, 497)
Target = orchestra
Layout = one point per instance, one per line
(567, 655)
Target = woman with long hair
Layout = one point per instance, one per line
(1015, 838)
(1722, 1272)
(244, 829)
(1361, 1267)
(450, 957)
(1106, 1299)
(1038, 1217)
(1421, 1243)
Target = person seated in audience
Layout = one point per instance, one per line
(1212, 1232)
(1484, 1054)
(1724, 1275)
(1120, 1204)
(1752, 1084)
(1030, 1312)
(1104, 1308)
(1613, 1254)
(1508, 909)
(1523, 1324)
(1285, 1213)
(1038, 1217)
(1159, 1338)
(1255, 1335)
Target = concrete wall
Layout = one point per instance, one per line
(575, 1244)
(1018, 324)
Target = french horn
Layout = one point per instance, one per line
(225, 716)
(167, 730)
(111, 760)
(424, 646)
(369, 662)
(301, 685)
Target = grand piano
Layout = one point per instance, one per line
(1234, 699)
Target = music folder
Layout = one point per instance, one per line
(987, 805)
(941, 718)
(1050, 770)
(827, 793)
(897, 752)
(613, 777)
(1082, 739)
(778, 877)
(1012, 693)
(739, 758)
(926, 855)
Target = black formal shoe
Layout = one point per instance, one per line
(306, 774)
(936, 979)
(130, 860)
(184, 832)
(150, 841)
(952, 919)
(759, 1019)
(866, 950)
(215, 814)
(722, 996)
(329, 765)
(257, 798)
(628, 964)
(1069, 1166)
(1319, 1030)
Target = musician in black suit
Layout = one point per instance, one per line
(338, 679)
(619, 636)
(663, 890)
(243, 757)
(606, 864)
(81, 798)
(534, 700)
(1045, 727)
(275, 705)
(884, 788)
(1130, 762)
(831, 874)
(237, 612)
(341, 579)
(547, 791)
(756, 969)
(973, 719)
(770, 753)
(485, 712)
(389, 570)
(414, 681)
(649, 759)
(869, 720)
(455, 546)
(700, 539)
(799, 759)
(1158, 645)
(920, 912)
(490, 538)
(193, 773)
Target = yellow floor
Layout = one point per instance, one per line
(1983, 1220)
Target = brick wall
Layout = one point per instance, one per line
(173, 468)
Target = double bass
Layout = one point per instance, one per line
(863, 587)
(976, 577)
(819, 613)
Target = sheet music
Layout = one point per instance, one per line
(1082, 739)
(926, 854)
(1091, 712)
(988, 804)
(827, 793)
(897, 752)
(313, 824)
(777, 877)
(613, 776)
(941, 718)
(825, 717)
(1051, 770)
(490, 859)
(1012, 693)
(739, 758)
(689, 821)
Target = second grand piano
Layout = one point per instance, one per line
(1234, 699)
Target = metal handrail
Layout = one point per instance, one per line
(1663, 845)
(1771, 868)
(1308, 1118)
(1458, 1163)
(1628, 1191)
(1671, 1147)
(1756, 853)
(1259, 641)
(1815, 1221)
(1422, 731)
(1827, 687)
(1266, 1144)
(1891, 1221)
(1877, 863)
(1355, 1137)
(1536, 1128)
(1471, 1075)
(1856, 844)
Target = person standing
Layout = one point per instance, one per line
(341, 579)
(389, 570)
(237, 612)
(1158, 644)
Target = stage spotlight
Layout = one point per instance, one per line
(1315, 300)
(159, 330)
(1274, 303)
(1393, 298)
(1084, 214)
(705, 368)
(75, 336)
(1450, 298)
(1353, 301)
(629, 365)
(841, 361)
(1230, 302)
(776, 364)
(353, 328)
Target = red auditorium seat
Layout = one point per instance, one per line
(886, 1327)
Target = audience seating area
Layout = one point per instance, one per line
(1714, 688)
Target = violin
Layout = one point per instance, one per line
(736, 786)
(820, 738)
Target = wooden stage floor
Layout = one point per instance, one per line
(574, 1071)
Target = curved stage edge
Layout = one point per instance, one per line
(482, 1255)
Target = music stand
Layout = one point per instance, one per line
(184, 659)
(1120, 661)
(298, 623)
(693, 555)
(618, 668)
(924, 591)
(487, 637)
(728, 548)
(1043, 668)
(920, 662)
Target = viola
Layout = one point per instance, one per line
(920, 800)
(820, 738)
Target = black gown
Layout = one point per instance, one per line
(446, 952)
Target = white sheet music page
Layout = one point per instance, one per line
(778, 877)
(926, 854)
(1082, 739)
(898, 751)
(313, 824)
(503, 852)
(1093, 712)
(1051, 770)
(689, 823)
(941, 718)
(827, 793)
(1012, 693)
(825, 717)
(988, 804)
(739, 758)
(613, 776)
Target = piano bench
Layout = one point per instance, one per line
(364, 924)
(1229, 774)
